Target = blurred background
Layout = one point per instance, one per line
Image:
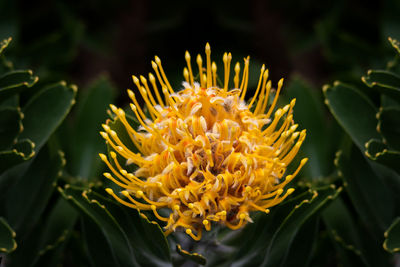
(78, 40)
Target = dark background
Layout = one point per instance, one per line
(77, 40)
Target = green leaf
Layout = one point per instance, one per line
(389, 102)
(370, 196)
(37, 186)
(383, 81)
(154, 232)
(60, 220)
(11, 102)
(395, 44)
(283, 238)
(75, 245)
(55, 231)
(50, 254)
(45, 112)
(378, 151)
(96, 244)
(21, 151)
(392, 181)
(11, 126)
(45, 242)
(4, 44)
(392, 237)
(7, 237)
(340, 223)
(87, 142)
(309, 114)
(146, 237)
(353, 111)
(117, 239)
(303, 244)
(194, 257)
(15, 82)
(389, 126)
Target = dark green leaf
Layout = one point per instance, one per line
(22, 151)
(36, 187)
(45, 242)
(389, 126)
(344, 231)
(4, 44)
(309, 114)
(117, 239)
(60, 220)
(194, 257)
(96, 244)
(395, 44)
(378, 151)
(11, 102)
(369, 195)
(354, 112)
(10, 126)
(87, 143)
(302, 248)
(282, 239)
(7, 237)
(146, 237)
(389, 102)
(50, 254)
(158, 244)
(55, 231)
(45, 112)
(392, 237)
(11, 167)
(16, 81)
(383, 81)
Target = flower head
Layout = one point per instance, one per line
(204, 154)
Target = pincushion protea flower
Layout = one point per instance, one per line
(205, 154)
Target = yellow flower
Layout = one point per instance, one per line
(205, 154)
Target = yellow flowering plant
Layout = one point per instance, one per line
(212, 168)
(203, 154)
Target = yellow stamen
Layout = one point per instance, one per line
(154, 84)
(209, 77)
(236, 78)
(189, 65)
(197, 238)
(148, 91)
(280, 83)
(154, 209)
(199, 61)
(214, 74)
(166, 82)
(245, 78)
(227, 65)
(258, 85)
